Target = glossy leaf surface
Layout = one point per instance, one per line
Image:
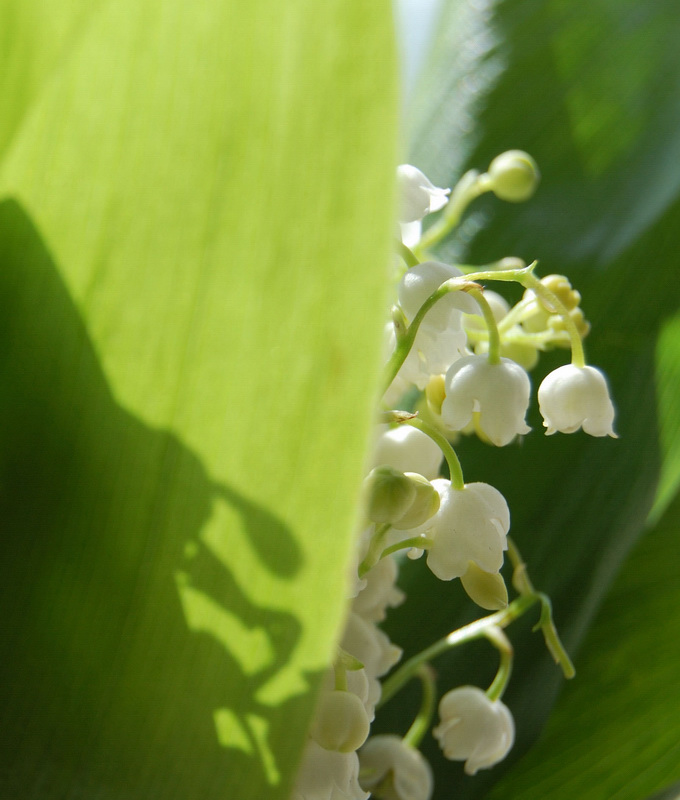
(589, 90)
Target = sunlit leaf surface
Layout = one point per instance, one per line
(194, 225)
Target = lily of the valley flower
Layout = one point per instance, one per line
(418, 195)
(499, 392)
(392, 770)
(408, 450)
(572, 397)
(419, 282)
(328, 775)
(474, 729)
(471, 525)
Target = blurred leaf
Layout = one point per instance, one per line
(615, 732)
(192, 279)
(590, 90)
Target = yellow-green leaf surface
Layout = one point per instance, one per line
(195, 217)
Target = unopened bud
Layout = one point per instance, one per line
(340, 722)
(487, 589)
(556, 323)
(514, 176)
(425, 504)
(389, 493)
(560, 286)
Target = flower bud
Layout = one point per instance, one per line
(556, 322)
(487, 589)
(513, 176)
(390, 494)
(340, 722)
(474, 729)
(425, 503)
(560, 286)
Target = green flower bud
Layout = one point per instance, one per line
(513, 176)
(487, 589)
(556, 322)
(389, 493)
(559, 285)
(424, 506)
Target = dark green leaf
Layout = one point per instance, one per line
(589, 89)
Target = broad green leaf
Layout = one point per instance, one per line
(615, 731)
(194, 226)
(589, 89)
(35, 37)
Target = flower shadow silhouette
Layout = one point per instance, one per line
(125, 637)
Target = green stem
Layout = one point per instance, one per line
(405, 343)
(340, 676)
(420, 542)
(530, 281)
(541, 340)
(421, 724)
(455, 469)
(501, 642)
(375, 549)
(468, 188)
(475, 630)
(409, 257)
(506, 275)
(494, 356)
(523, 584)
(515, 314)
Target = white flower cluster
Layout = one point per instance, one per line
(469, 352)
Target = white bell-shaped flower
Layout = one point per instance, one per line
(328, 775)
(471, 525)
(419, 282)
(499, 392)
(411, 232)
(418, 195)
(432, 353)
(572, 397)
(367, 643)
(407, 449)
(380, 592)
(392, 770)
(474, 729)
